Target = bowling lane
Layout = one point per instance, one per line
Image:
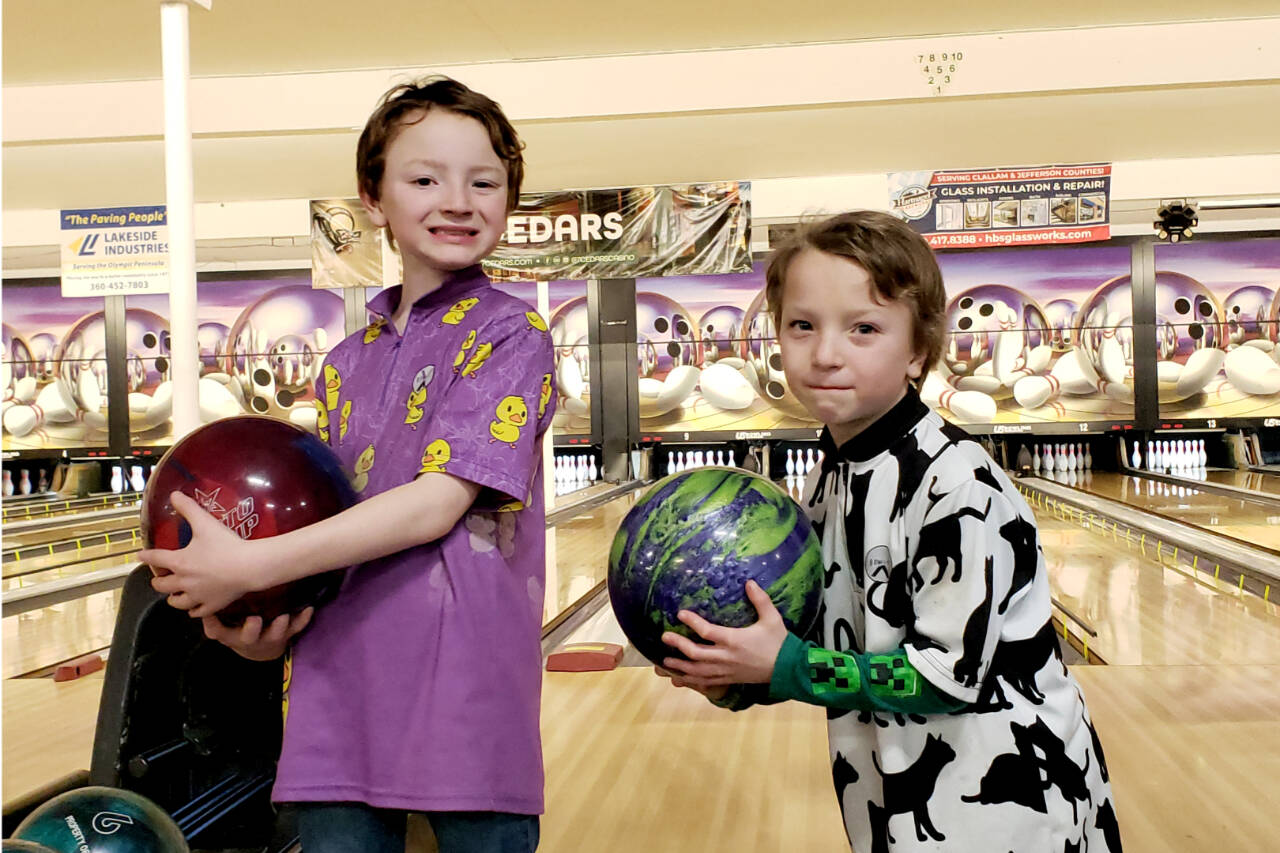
(578, 553)
(1147, 613)
(1250, 522)
(125, 524)
(29, 571)
(21, 511)
(42, 638)
(1258, 481)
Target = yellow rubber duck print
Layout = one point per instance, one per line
(480, 356)
(462, 353)
(435, 457)
(322, 420)
(364, 464)
(510, 506)
(544, 396)
(458, 311)
(373, 331)
(535, 320)
(418, 394)
(284, 689)
(512, 414)
(342, 421)
(332, 387)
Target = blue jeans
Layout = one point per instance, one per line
(358, 828)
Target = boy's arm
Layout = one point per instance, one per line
(854, 681)
(418, 512)
(218, 566)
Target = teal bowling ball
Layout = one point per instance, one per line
(97, 819)
(692, 542)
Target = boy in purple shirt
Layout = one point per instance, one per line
(418, 688)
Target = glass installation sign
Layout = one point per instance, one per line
(115, 251)
(631, 232)
(1024, 206)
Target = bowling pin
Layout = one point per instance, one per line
(24, 481)
(43, 485)
(592, 472)
(1071, 375)
(791, 463)
(1088, 458)
(1060, 463)
(117, 479)
(1204, 456)
(1035, 459)
(1136, 460)
(8, 484)
(1048, 459)
(1071, 457)
(1252, 371)
(1202, 365)
(732, 463)
(135, 478)
(1151, 456)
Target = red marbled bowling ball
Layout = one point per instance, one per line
(260, 477)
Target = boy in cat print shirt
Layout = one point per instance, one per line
(953, 723)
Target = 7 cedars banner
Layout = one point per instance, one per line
(1023, 206)
(627, 232)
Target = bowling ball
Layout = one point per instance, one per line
(101, 820)
(260, 477)
(692, 542)
(13, 845)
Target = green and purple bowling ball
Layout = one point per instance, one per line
(692, 542)
(98, 819)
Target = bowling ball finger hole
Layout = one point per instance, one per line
(966, 302)
(964, 323)
(261, 376)
(775, 390)
(162, 364)
(986, 310)
(775, 361)
(284, 398)
(261, 405)
(149, 340)
(1181, 305)
(661, 324)
(1196, 331)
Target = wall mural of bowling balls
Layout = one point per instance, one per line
(692, 542)
(98, 819)
(260, 477)
(1218, 328)
(570, 336)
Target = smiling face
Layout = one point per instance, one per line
(848, 357)
(443, 193)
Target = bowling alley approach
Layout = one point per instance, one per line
(507, 426)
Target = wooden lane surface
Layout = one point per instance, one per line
(578, 553)
(43, 566)
(35, 538)
(48, 730)
(1257, 480)
(634, 765)
(1146, 613)
(1193, 751)
(50, 635)
(1248, 521)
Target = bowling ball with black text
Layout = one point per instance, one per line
(98, 819)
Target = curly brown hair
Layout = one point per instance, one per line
(897, 259)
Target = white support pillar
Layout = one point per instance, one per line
(184, 368)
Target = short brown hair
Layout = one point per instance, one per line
(897, 259)
(398, 107)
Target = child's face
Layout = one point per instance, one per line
(848, 358)
(444, 193)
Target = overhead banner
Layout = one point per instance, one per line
(1025, 206)
(115, 251)
(683, 229)
(346, 247)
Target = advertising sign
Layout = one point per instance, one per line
(110, 251)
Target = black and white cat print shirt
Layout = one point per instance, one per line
(928, 546)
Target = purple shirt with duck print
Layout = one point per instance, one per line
(418, 687)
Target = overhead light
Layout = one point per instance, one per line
(1176, 221)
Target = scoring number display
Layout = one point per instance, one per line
(939, 68)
